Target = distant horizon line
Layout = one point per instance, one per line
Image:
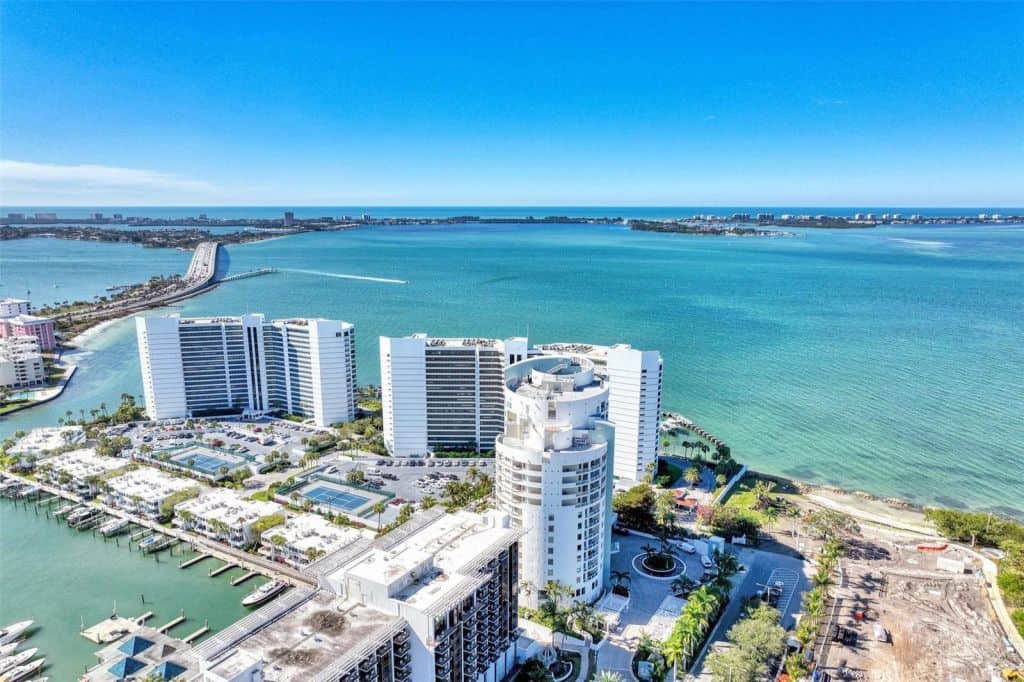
(865, 207)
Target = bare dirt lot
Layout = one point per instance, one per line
(939, 621)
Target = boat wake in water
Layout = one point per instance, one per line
(338, 275)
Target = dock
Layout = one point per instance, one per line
(194, 560)
(144, 617)
(109, 630)
(167, 626)
(226, 567)
(188, 639)
(241, 579)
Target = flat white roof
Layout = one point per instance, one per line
(448, 546)
(227, 506)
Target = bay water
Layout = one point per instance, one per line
(889, 360)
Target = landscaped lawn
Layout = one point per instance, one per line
(742, 495)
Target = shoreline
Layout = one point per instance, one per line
(78, 341)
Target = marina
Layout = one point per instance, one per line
(83, 611)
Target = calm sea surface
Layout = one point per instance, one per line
(888, 360)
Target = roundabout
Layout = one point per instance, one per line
(649, 566)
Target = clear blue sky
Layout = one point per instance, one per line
(495, 104)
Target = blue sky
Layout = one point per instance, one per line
(503, 104)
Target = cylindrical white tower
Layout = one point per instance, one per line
(554, 473)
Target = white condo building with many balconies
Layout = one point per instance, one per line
(554, 473)
(634, 402)
(246, 365)
(444, 394)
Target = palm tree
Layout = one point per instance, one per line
(727, 563)
(681, 585)
(609, 676)
(692, 476)
(428, 501)
(763, 493)
(771, 515)
(378, 509)
(649, 549)
(621, 577)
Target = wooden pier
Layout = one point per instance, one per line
(177, 621)
(226, 567)
(188, 639)
(194, 560)
(242, 578)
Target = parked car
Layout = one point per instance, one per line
(706, 561)
(688, 548)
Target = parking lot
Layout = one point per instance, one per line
(250, 439)
(409, 480)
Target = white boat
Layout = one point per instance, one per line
(114, 527)
(17, 659)
(148, 542)
(64, 511)
(13, 631)
(29, 491)
(8, 649)
(265, 592)
(79, 514)
(22, 671)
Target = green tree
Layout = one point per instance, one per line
(635, 507)
(378, 509)
(692, 476)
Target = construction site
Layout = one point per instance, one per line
(913, 611)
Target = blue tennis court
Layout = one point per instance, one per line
(333, 497)
(208, 464)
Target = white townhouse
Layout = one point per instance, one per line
(306, 537)
(144, 490)
(79, 471)
(224, 515)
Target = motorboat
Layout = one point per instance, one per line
(29, 491)
(8, 649)
(265, 593)
(22, 671)
(79, 514)
(64, 511)
(113, 527)
(17, 659)
(148, 542)
(14, 631)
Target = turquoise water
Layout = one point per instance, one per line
(61, 578)
(888, 360)
(48, 271)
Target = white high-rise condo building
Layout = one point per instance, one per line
(554, 473)
(245, 365)
(634, 403)
(444, 394)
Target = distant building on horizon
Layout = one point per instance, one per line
(245, 365)
(289, 218)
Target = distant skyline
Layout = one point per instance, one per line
(491, 104)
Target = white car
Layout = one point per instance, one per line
(688, 548)
(706, 561)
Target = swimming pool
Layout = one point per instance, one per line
(333, 497)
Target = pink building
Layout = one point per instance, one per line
(29, 325)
